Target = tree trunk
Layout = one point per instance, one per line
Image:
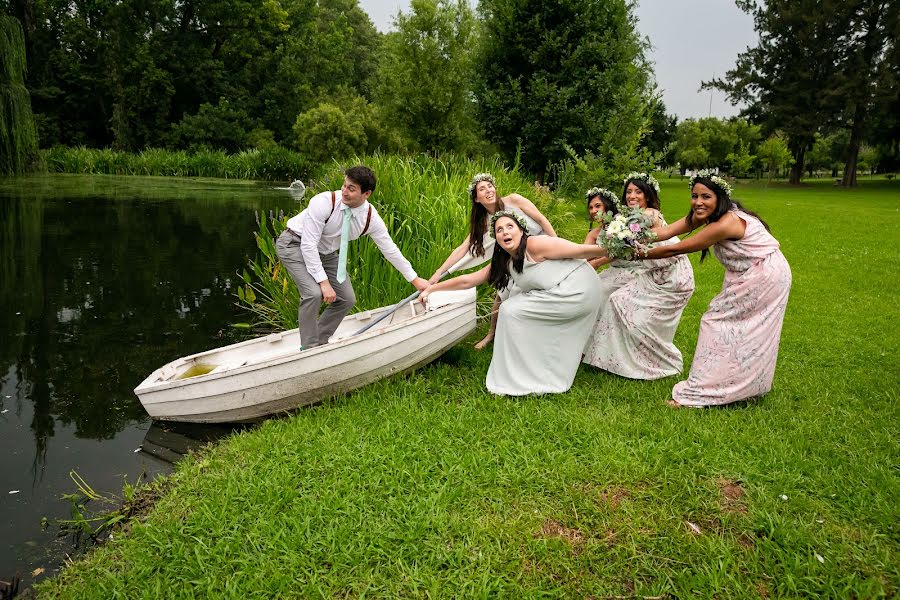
(797, 167)
(849, 179)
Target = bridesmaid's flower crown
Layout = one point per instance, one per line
(596, 191)
(706, 173)
(506, 213)
(645, 177)
(479, 178)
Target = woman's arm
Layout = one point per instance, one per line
(729, 227)
(528, 207)
(542, 247)
(596, 263)
(454, 258)
(463, 282)
(591, 237)
(679, 227)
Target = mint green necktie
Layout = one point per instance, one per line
(345, 239)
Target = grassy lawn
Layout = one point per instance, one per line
(427, 486)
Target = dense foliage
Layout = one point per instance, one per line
(563, 74)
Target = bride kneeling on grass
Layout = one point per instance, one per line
(542, 331)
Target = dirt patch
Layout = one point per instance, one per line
(614, 496)
(554, 529)
(762, 590)
(733, 495)
(731, 489)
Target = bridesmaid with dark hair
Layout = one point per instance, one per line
(740, 331)
(641, 303)
(599, 201)
(542, 329)
(485, 203)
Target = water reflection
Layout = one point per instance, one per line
(102, 279)
(170, 442)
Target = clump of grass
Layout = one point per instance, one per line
(425, 205)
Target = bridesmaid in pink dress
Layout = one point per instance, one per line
(739, 333)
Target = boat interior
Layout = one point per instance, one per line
(275, 345)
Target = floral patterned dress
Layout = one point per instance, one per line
(740, 331)
(639, 313)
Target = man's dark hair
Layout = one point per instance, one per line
(361, 176)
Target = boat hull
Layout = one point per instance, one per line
(278, 380)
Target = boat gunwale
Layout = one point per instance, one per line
(144, 387)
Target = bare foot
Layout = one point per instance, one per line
(484, 342)
(673, 404)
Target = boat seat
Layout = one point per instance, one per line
(227, 366)
(168, 372)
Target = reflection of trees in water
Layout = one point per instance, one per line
(109, 289)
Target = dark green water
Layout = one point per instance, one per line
(102, 280)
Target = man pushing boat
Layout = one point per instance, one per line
(313, 249)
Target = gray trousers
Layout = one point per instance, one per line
(315, 330)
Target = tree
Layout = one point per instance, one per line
(740, 160)
(690, 145)
(424, 82)
(18, 137)
(774, 155)
(660, 139)
(552, 75)
(782, 78)
(326, 132)
(865, 78)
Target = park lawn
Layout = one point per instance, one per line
(428, 486)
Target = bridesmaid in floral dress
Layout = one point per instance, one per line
(642, 303)
(739, 333)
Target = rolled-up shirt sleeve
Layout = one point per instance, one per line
(379, 234)
(317, 212)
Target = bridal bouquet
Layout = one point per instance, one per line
(625, 233)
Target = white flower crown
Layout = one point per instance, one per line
(708, 174)
(645, 177)
(596, 191)
(479, 178)
(506, 213)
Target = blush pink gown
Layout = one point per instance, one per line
(740, 331)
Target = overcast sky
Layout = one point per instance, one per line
(683, 53)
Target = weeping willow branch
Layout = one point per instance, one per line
(18, 135)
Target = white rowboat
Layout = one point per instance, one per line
(250, 380)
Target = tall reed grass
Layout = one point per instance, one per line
(271, 164)
(425, 205)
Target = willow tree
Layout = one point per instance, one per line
(18, 135)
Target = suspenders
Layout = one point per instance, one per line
(368, 216)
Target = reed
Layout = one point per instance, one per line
(424, 204)
(271, 164)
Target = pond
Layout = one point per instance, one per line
(103, 280)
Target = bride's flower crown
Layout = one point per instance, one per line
(479, 178)
(506, 213)
(706, 173)
(645, 177)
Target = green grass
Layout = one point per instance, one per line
(427, 486)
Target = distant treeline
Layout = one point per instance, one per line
(532, 82)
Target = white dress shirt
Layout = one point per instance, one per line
(318, 237)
